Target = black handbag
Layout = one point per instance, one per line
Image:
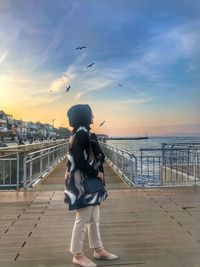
(92, 184)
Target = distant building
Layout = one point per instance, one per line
(32, 128)
(18, 126)
(5, 126)
(10, 127)
(102, 137)
(48, 130)
(4, 121)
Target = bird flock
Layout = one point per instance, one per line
(88, 66)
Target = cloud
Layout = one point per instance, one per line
(173, 44)
(19, 88)
(58, 84)
(68, 76)
(94, 84)
(5, 4)
(134, 101)
(78, 95)
(58, 36)
(151, 60)
(28, 28)
(125, 103)
(39, 100)
(3, 56)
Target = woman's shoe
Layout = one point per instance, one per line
(83, 261)
(102, 254)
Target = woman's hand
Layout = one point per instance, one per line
(101, 176)
(66, 175)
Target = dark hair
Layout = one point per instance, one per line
(79, 115)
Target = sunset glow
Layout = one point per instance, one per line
(146, 72)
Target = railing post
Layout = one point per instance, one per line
(24, 171)
(53, 155)
(41, 163)
(17, 170)
(31, 169)
(4, 172)
(122, 162)
(48, 159)
(141, 169)
(119, 161)
(188, 164)
(131, 168)
(136, 172)
(163, 153)
(194, 166)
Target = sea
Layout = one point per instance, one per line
(134, 146)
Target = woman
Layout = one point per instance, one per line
(84, 156)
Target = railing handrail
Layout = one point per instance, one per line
(7, 159)
(179, 143)
(122, 150)
(14, 155)
(45, 149)
(2, 150)
(33, 144)
(166, 149)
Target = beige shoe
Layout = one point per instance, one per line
(102, 254)
(83, 261)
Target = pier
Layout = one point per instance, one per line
(147, 227)
(104, 138)
(128, 138)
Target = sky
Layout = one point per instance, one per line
(151, 48)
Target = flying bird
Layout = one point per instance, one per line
(102, 123)
(89, 66)
(120, 85)
(67, 89)
(80, 47)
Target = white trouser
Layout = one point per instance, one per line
(86, 218)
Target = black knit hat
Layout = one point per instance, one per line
(79, 115)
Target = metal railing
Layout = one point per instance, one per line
(123, 162)
(174, 165)
(19, 169)
(169, 166)
(9, 169)
(37, 164)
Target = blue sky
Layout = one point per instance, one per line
(150, 47)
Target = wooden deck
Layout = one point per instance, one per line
(145, 227)
(55, 180)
